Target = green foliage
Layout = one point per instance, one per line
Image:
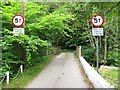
(51, 26)
(89, 54)
(111, 76)
(113, 58)
(82, 30)
(44, 28)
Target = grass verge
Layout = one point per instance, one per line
(110, 76)
(75, 55)
(29, 74)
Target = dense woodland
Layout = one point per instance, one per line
(51, 27)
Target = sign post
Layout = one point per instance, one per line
(97, 21)
(97, 54)
(19, 20)
(24, 50)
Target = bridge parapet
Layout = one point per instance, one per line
(95, 78)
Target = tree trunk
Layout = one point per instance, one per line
(105, 49)
(90, 38)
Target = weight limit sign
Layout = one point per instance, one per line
(18, 20)
(97, 20)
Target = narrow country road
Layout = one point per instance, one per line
(62, 72)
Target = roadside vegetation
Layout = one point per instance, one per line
(29, 74)
(111, 76)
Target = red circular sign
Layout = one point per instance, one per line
(18, 20)
(97, 20)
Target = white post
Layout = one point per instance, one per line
(7, 79)
(80, 50)
(21, 68)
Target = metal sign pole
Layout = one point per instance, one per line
(24, 51)
(97, 54)
(97, 21)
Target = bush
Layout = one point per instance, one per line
(89, 54)
(113, 58)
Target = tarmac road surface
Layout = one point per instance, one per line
(62, 72)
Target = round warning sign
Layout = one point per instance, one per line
(97, 20)
(18, 20)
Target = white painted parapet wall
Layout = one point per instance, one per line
(94, 77)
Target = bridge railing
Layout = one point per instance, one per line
(93, 76)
